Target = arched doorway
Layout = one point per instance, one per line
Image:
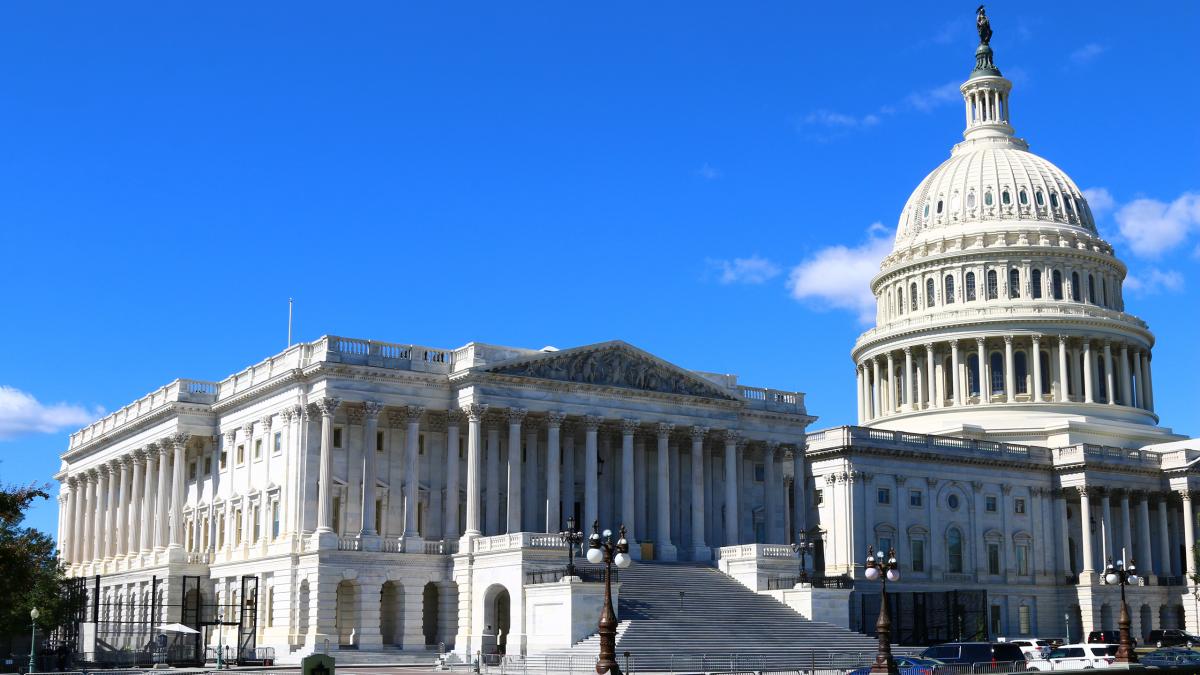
(496, 619)
(346, 614)
(429, 613)
(391, 616)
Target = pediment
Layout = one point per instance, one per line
(612, 364)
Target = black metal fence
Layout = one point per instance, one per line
(590, 574)
(929, 618)
(818, 581)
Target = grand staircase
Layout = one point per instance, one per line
(717, 624)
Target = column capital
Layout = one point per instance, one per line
(413, 413)
(230, 437)
(900, 479)
(328, 405)
(103, 470)
(178, 439)
(928, 346)
(265, 422)
(979, 341)
(286, 415)
(91, 475)
(1008, 340)
(1036, 337)
(1107, 343)
(732, 436)
(770, 447)
(248, 429)
(665, 429)
(1087, 344)
(372, 409)
(1184, 494)
(297, 411)
(454, 417)
(1062, 340)
(629, 426)
(931, 482)
(114, 465)
(126, 461)
(698, 432)
(907, 349)
(516, 415)
(164, 450)
(592, 422)
(555, 418)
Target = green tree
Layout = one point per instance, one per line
(30, 572)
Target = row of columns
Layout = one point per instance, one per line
(123, 507)
(883, 389)
(1141, 551)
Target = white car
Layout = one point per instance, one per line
(1033, 649)
(1077, 657)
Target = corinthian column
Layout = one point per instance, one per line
(178, 444)
(628, 517)
(1085, 518)
(590, 467)
(474, 413)
(515, 417)
(78, 495)
(935, 401)
(150, 454)
(892, 405)
(1010, 389)
(907, 399)
(1037, 369)
(328, 406)
(1109, 390)
(450, 503)
(121, 532)
(111, 534)
(1088, 386)
(1063, 394)
(371, 410)
(663, 548)
(554, 422)
(135, 504)
(956, 376)
(412, 483)
(97, 487)
(770, 493)
(1189, 532)
(731, 488)
(700, 550)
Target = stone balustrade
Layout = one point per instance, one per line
(181, 390)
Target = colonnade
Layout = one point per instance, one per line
(1096, 531)
(1001, 369)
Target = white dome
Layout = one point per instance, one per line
(1020, 186)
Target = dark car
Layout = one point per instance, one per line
(1172, 637)
(974, 652)
(1170, 658)
(1107, 637)
(908, 665)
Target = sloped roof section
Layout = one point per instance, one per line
(612, 364)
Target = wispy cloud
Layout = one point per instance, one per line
(832, 124)
(752, 270)
(22, 414)
(1087, 53)
(1151, 227)
(708, 172)
(1100, 199)
(838, 277)
(934, 97)
(836, 120)
(1154, 281)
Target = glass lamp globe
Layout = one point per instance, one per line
(891, 561)
(1133, 579)
(1110, 578)
(622, 542)
(34, 613)
(622, 560)
(607, 534)
(872, 573)
(893, 575)
(594, 556)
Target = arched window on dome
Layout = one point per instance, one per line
(1104, 291)
(970, 287)
(912, 296)
(899, 301)
(993, 290)
(1091, 289)
(1035, 284)
(926, 209)
(930, 295)
(949, 291)
(954, 551)
(1056, 285)
(1014, 283)
(973, 374)
(939, 207)
(1023, 197)
(971, 199)
(996, 368)
(955, 203)
(1075, 287)
(1021, 368)
(1037, 197)
(1054, 200)
(987, 198)
(1005, 198)
(1045, 358)
(1102, 381)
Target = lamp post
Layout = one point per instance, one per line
(220, 639)
(885, 568)
(572, 538)
(601, 548)
(1120, 575)
(33, 615)
(805, 545)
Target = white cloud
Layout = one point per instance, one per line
(752, 270)
(837, 120)
(1087, 53)
(838, 277)
(840, 123)
(21, 414)
(708, 172)
(1100, 199)
(934, 97)
(1154, 281)
(1152, 227)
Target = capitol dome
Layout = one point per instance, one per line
(1000, 310)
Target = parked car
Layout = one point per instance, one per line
(1033, 649)
(1107, 637)
(1171, 657)
(1077, 657)
(908, 665)
(974, 652)
(1172, 637)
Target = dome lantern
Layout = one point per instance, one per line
(986, 91)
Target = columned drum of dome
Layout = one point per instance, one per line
(1000, 308)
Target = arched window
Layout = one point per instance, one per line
(912, 296)
(1021, 365)
(939, 206)
(973, 375)
(1023, 197)
(927, 209)
(1054, 199)
(899, 301)
(1045, 359)
(1037, 197)
(996, 366)
(949, 293)
(1102, 380)
(1104, 291)
(930, 296)
(1035, 284)
(1091, 289)
(1014, 283)
(1075, 287)
(993, 291)
(954, 551)
(1005, 198)
(1056, 285)
(970, 286)
(970, 200)
(987, 198)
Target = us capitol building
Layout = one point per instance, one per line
(369, 494)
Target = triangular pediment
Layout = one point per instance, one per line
(612, 364)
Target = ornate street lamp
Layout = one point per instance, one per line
(1120, 575)
(220, 639)
(601, 548)
(884, 568)
(33, 615)
(805, 545)
(572, 538)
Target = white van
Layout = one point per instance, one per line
(1077, 657)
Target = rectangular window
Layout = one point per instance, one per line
(208, 465)
(379, 515)
(993, 558)
(915, 498)
(990, 504)
(378, 441)
(224, 461)
(917, 555)
(278, 442)
(255, 524)
(337, 437)
(275, 520)
(241, 455)
(191, 471)
(257, 449)
(237, 527)
(1023, 560)
(421, 446)
(1019, 506)
(884, 496)
(818, 497)
(997, 629)
(337, 515)
(461, 452)
(1024, 623)
(221, 533)
(760, 473)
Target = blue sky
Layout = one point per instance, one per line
(533, 174)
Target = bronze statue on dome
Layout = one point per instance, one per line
(983, 25)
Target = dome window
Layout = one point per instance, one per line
(1014, 283)
(1037, 197)
(939, 207)
(949, 289)
(970, 287)
(987, 198)
(926, 210)
(1054, 199)
(1023, 197)
(1075, 295)
(1005, 198)
(1056, 285)
(993, 290)
(930, 296)
(912, 296)
(1035, 284)
(900, 301)
(954, 202)
(970, 200)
